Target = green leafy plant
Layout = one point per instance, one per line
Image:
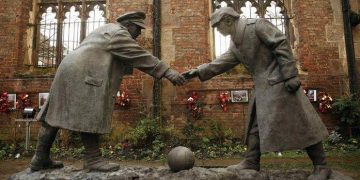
(210, 139)
(192, 134)
(334, 137)
(10, 151)
(219, 133)
(145, 132)
(348, 110)
(75, 138)
(147, 140)
(191, 130)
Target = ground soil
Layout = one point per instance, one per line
(346, 165)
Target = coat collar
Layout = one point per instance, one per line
(239, 32)
(240, 28)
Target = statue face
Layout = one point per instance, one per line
(223, 27)
(134, 30)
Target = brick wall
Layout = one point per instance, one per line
(185, 41)
(320, 45)
(13, 16)
(321, 48)
(9, 129)
(138, 85)
(355, 5)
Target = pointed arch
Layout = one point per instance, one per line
(62, 25)
(272, 10)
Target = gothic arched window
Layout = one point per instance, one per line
(272, 10)
(62, 25)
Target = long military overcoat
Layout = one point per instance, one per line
(286, 121)
(82, 94)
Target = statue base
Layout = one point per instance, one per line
(140, 172)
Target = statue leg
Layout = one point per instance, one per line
(317, 155)
(252, 155)
(41, 159)
(92, 159)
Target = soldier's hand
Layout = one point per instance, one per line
(191, 74)
(174, 77)
(292, 84)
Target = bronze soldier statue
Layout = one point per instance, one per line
(83, 91)
(280, 115)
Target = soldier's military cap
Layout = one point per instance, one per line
(135, 17)
(219, 14)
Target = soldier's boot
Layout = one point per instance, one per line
(317, 155)
(252, 155)
(41, 159)
(92, 159)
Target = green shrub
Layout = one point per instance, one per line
(146, 132)
(191, 130)
(353, 141)
(334, 137)
(147, 140)
(348, 109)
(192, 135)
(75, 139)
(218, 132)
(9, 151)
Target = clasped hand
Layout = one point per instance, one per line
(191, 74)
(178, 79)
(175, 77)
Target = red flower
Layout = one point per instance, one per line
(194, 105)
(4, 103)
(325, 102)
(123, 100)
(23, 101)
(224, 100)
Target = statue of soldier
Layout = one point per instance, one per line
(83, 91)
(281, 117)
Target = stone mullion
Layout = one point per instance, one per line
(42, 9)
(237, 5)
(35, 56)
(261, 8)
(281, 4)
(60, 17)
(84, 15)
(229, 3)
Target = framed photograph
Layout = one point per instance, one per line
(311, 94)
(42, 98)
(12, 100)
(240, 96)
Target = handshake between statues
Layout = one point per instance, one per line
(291, 85)
(193, 73)
(178, 79)
(175, 77)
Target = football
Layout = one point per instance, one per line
(181, 158)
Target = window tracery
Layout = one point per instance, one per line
(62, 25)
(272, 10)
